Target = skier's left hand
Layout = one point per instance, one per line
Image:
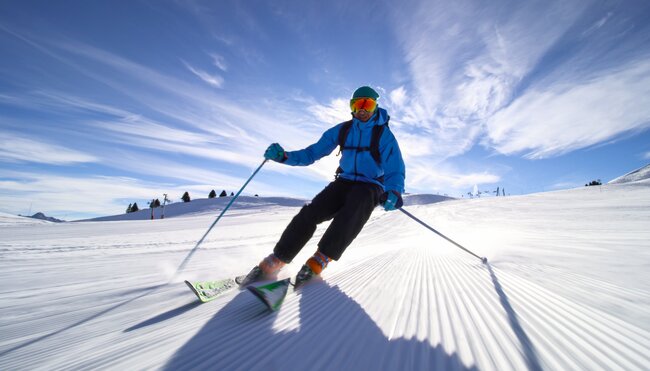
(276, 153)
(391, 200)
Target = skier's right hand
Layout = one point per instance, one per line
(276, 153)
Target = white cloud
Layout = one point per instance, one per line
(563, 118)
(646, 156)
(398, 97)
(70, 197)
(600, 23)
(469, 62)
(212, 79)
(17, 148)
(426, 176)
(482, 75)
(219, 61)
(61, 195)
(337, 111)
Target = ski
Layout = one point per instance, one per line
(207, 291)
(271, 294)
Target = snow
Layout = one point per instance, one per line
(204, 206)
(566, 287)
(642, 173)
(209, 205)
(9, 219)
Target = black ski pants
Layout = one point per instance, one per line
(348, 203)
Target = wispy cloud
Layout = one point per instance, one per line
(245, 130)
(19, 148)
(562, 118)
(71, 197)
(219, 61)
(212, 79)
(338, 110)
(598, 24)
(398, 97)
(481, 79)
(62, 195)
(444, 177)
(469, 70)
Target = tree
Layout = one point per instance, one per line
(128, 209)
(157, 203)
(223, 194)
(594, 183)
(232, 194)
(212, 194)
(135, 207)
(186, 197)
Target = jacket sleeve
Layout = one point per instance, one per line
(316, 151)
(394, 168)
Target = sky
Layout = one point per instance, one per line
(106, 103)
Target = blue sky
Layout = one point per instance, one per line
(103, 103)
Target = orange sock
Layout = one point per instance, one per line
(271, 264)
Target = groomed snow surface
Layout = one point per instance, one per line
(567, 287)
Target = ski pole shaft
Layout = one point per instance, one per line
(483, 259)
(187, 258)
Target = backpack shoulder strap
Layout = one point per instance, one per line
(377, 131)
(343, 134)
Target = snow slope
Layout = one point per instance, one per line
(209, 205)
(633, 176)
(203, 206)
(567, 287)
(9, 219)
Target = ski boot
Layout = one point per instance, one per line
(313, 267)
(267, 269)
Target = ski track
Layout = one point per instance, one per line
(401, 298)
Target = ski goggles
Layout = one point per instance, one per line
(367, 104)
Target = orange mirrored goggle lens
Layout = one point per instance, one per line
(367, 104)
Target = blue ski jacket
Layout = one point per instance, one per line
(359, 165)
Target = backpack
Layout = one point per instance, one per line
(377, 131)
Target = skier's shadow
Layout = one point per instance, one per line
(335, 333)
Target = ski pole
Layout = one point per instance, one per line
(483, 259)
(187, 258)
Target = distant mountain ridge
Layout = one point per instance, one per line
(642, 173)
(42, 216)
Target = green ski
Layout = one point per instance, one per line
(209, 290)
(271, 294)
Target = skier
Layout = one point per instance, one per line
(371, 172)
